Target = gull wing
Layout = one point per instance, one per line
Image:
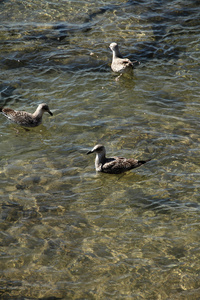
(20, 117)
(120, 165)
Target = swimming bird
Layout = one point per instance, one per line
(113, 165)
(120, 64)
(24, 118)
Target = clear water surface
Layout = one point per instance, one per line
(67, 232)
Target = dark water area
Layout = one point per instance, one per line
(67, 232)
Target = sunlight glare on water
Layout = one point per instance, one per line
(66, 231)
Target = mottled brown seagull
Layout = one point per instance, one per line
(120, 64)
(113, 165)
(24, 118)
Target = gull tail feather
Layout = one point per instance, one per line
(141, 162)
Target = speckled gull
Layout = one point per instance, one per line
(113, 165)
(24, 118)
(119, 64)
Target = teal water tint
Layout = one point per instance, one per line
(67, 232)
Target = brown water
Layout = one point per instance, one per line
(67, 232)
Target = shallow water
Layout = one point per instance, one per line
(67, 232)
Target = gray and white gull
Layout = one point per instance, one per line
(24, 118)
(120, 64)
(113, 165)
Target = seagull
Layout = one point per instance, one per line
(120, 64)
(113, 165)
(24, 118)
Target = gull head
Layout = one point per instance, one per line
(113, 46)
(98, 149)
(45, 108)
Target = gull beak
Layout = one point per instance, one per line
(89, 152)
(50, 112)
